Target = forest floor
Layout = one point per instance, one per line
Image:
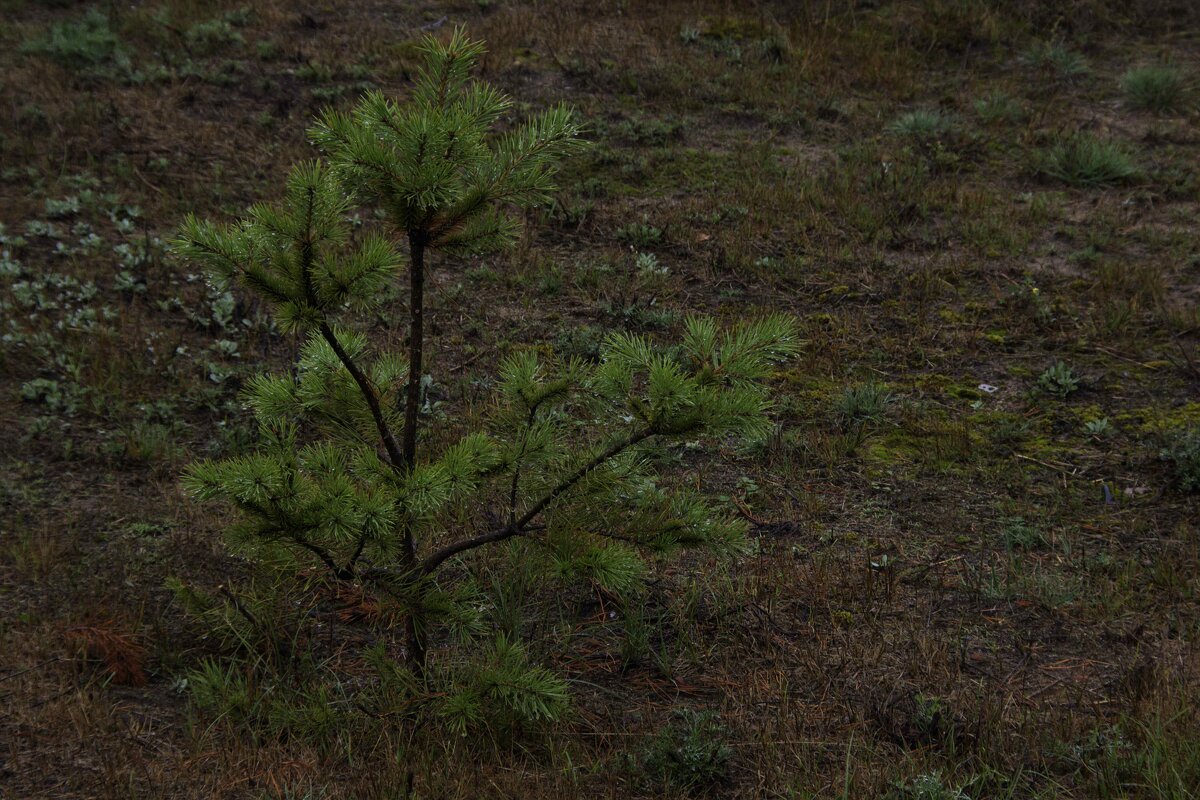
(976, 569)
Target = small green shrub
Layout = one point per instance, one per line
(690, 754)
(1184, 455)
(1154, 88)
(1087, 161)
(635, 647)
(1058, 380)
(232, 696)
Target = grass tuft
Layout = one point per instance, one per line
(1087, 161)
(865, 402)
(923, 124)
(998, 107)
(1057, 59)
(1155, 88)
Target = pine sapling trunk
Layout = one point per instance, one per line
(416, 331)
(415, 627)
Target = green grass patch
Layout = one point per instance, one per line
(1087, 161)
(1155, 88)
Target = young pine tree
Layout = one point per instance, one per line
(342, 478)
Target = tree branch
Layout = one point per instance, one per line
(395, 458)
(278, 519)
(358, 551)
(435, 559)
(360, 378)
(326, 559)
(516, 479)
(581, 473)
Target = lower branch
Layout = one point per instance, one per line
(521, 525)
(341, 573)
(395, 457)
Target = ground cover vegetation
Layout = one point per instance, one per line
(671, 400)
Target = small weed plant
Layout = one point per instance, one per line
(1058, 380)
